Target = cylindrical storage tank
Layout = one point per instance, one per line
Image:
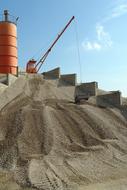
(8, 47)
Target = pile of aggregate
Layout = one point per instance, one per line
(49, 143)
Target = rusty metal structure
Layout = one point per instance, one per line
(33, 66)
(8, 45)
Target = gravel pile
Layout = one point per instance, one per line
(50, 143)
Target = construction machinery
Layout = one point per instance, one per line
(33, 66)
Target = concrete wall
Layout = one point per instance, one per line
(89, 88)
(7, 79)
(112, 99)
(11, 79)
(53, 74)
(69, 79)
(16, 89)
(3, 78)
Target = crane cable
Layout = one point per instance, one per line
(78, 50)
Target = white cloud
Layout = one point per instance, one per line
(119, 9)
(103, 37)
(102, 41)
(87, 45)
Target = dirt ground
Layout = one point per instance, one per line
(47, 142)
(120, 184)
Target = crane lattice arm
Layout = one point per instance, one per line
(32, 65)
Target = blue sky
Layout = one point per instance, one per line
(102, 31)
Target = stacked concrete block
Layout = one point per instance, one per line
(113, 98)
(53, 74)
(89, 88)
(85, 90)
(68, 79)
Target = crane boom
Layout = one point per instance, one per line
(32, 65)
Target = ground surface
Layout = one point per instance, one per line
(48, 142)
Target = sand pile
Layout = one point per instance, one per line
(50, 143)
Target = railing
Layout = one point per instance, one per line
(10, 68)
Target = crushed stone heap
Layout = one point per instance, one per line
(50, 143)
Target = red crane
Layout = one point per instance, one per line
(33, 66)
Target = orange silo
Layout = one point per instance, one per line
(8, 46)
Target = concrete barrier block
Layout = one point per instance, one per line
(89, 88)
(113, 98)
(11, 79)
(69, 79)
(7, 79)
(10, 93)
(53, 74)
(4, 79)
